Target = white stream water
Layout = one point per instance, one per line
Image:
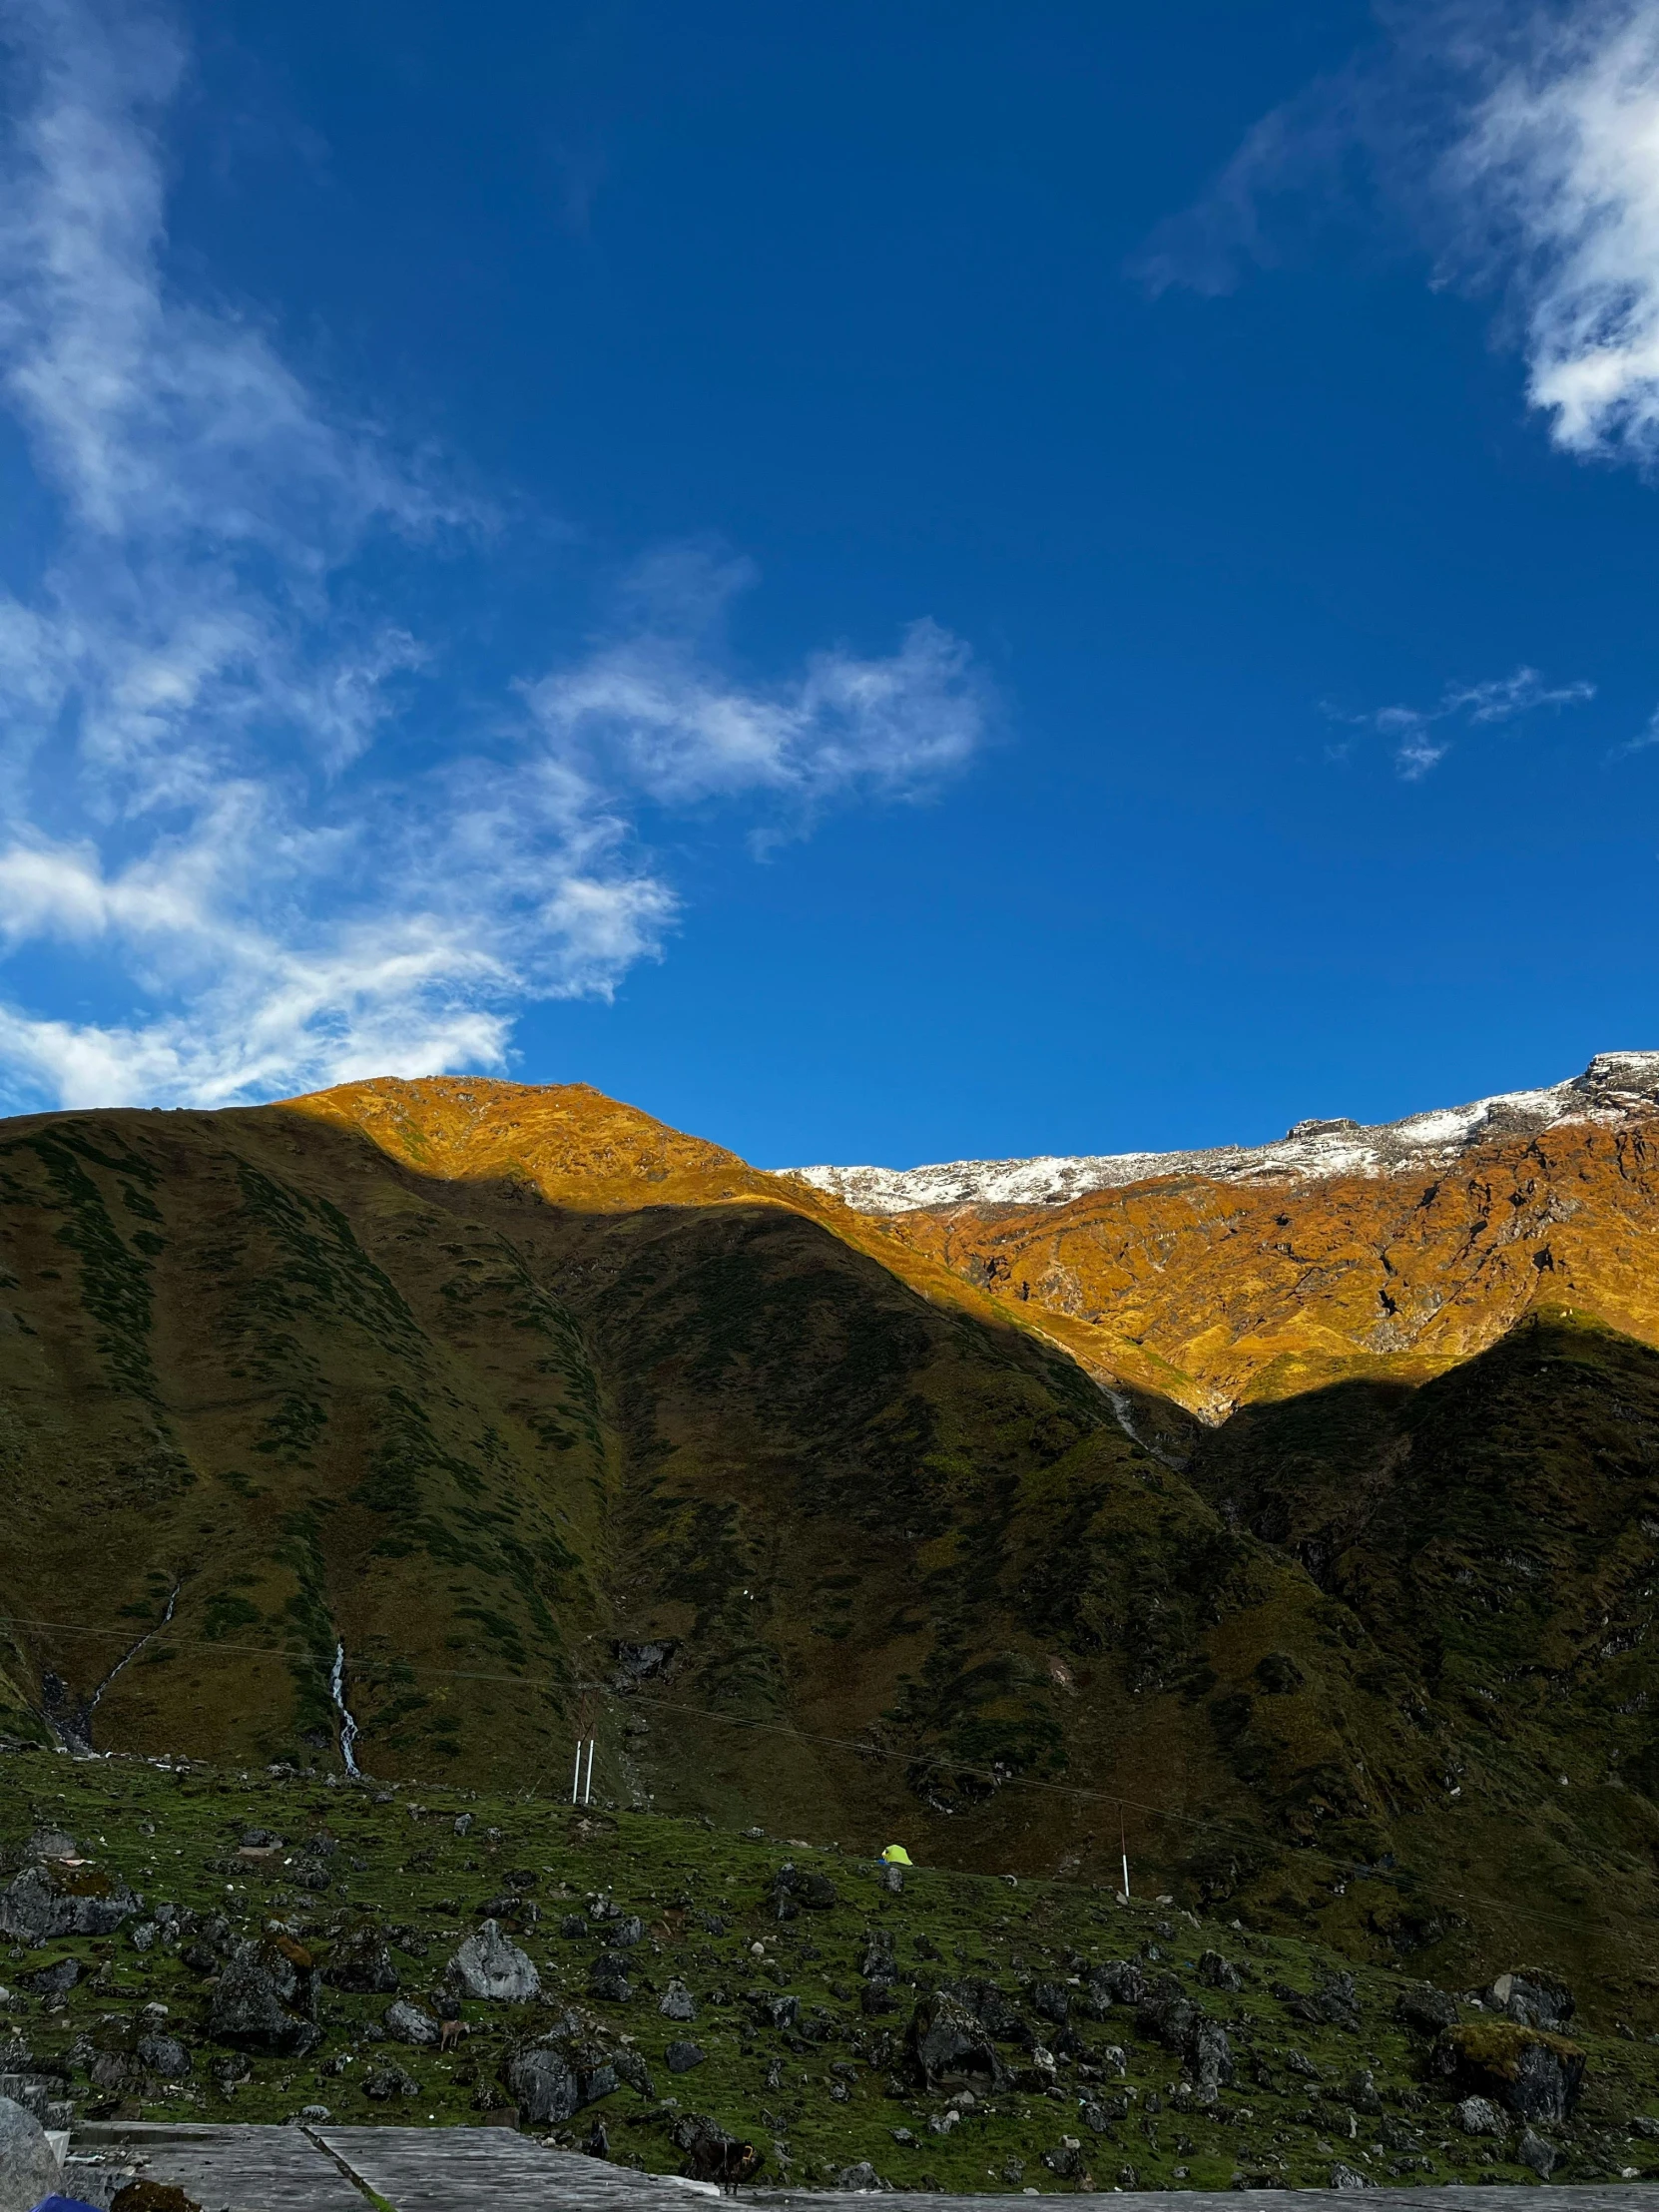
(347, 1726)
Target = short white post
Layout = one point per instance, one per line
(587, 1794)
(576, 1778)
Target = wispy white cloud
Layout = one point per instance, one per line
(1521, 146)
(197, 690)
(655, 705)
(1421, 737)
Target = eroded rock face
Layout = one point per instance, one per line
(266, 1999)
(491, 1967)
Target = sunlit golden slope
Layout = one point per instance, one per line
(1226, 1291)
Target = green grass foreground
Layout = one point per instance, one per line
(814, 2101)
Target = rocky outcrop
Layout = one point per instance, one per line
(51, 1899)
(266, 2001)
(1530, 2073)
(950, 2047)
(490, 1965)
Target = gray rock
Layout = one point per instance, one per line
(49, 1900)
(359, 1960)
(876, 1955)
(55, 1980)
(862, 2176)
(1425, 2009)
(683, 2057)
(28, 2170)
(1345, 2177)
(890, 1877)
(51, 1843)
(1533, 2150)
(1118, 1981)
(1361, 2091)
(489, 1965)
(1216, 1973)
(407, 2024)
(1480, 2117)
(608, 1978)
(1533, 1998)
(626, 1933)
(266, 1999)
(1052, 2001)
(1642, 2125)
(949, 2044)
(463, 1821)
(163, 2055)
(678, 2004)
(780, 2012)
(552, 2080)
(381, 2083)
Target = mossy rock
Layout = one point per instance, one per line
(1535, 2075)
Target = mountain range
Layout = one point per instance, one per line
(1288, 1519)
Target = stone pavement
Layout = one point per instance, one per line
(491, 2169)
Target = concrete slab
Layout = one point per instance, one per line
(446, 2169)
(228, 2169)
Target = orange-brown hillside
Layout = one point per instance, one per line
(1226, 1291)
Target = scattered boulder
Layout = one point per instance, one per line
(1535, 2075)
(1166, 2012)
(858, 2179)
(28, 2170)
(1480, 2117)
(1533, 1998)
(950, 2045)
(875, 1957)
(683, 2057)
(794, 1886)
(163, 2055)
(1216, 1973)
(359, 1960)
(1346, 2177)
(55, 1980)
(49, 1899)
(1534, 2151)
(713, 2156)
(1065, 2160)
(489, 1965)
(608, 1978)
(677, 2002)
(266, 2001)
(1118, 1981)
(557, 2076)
(407, 2024)
(626, 1933)
(51, 1843)
(381, 2083)
(1426, 2011)
(1052, 2001)
(1362, 2092)
(780, 2012)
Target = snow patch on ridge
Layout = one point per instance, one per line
(1615, 1087)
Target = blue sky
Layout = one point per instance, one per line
(886, 582)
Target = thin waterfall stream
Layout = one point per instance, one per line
(347, 1725)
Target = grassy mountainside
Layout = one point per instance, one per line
(800, 2027)
(533, 1416)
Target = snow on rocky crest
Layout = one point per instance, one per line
(1615, 1087)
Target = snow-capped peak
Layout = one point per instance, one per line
(1616, 1086)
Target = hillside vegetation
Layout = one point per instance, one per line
(493, 1416)
(266, 1946)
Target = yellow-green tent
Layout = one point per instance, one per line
(897, 1856)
